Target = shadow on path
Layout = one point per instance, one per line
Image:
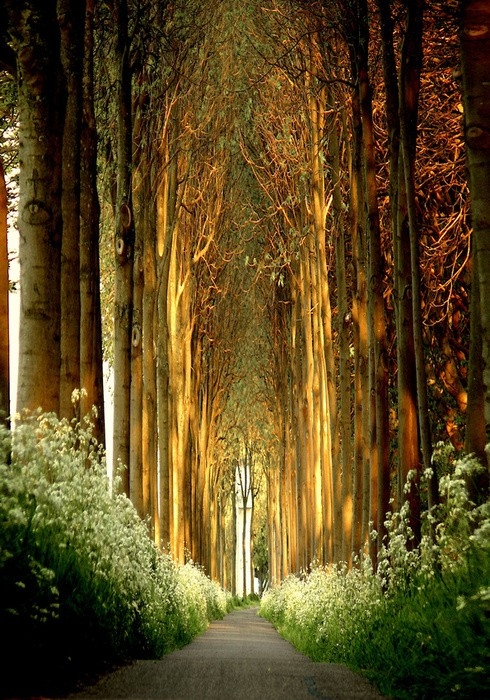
(241, 656)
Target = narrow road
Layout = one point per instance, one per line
(240, 657)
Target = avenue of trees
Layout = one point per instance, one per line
(271, 219)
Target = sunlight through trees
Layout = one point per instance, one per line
(260, 213)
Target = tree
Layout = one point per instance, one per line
(411, 62)
(378, 359)
(123, 246)
(260, 249)
(407, 433)
(91, 369)
(4, 303)
(286, 154)
(71, 19)
(35, 39)
(8, 67)
(475, 58)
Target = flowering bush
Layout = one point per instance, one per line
(322, 612)
(79, 577)
(419, 626)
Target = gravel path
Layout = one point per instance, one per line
(241, 656)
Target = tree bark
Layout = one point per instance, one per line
(328, 491)
(475, 436)
(475, 58)
(407, 433)
(91, 361)
(149, 428)
(379, 428)
(71, 18)
(345, 424)
(35, 36)
(136, 466)
(360, 333)
(411, 65)
(4, 305)
(124, 251)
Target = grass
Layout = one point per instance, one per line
(420, 626)
(81, 584)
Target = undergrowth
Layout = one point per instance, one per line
(419, 626)
(81, 583)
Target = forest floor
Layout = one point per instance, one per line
(241, 656)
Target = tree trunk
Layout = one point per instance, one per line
(136, 467)
(124, 251)
(167, 189)
(149, 428)
(41, 112)
(235, 537)
(378, 369)
(164, 231)
(475, 437)
(411, 64)
(71, 18)
(360, 337)
(244, 491)
(4, 305)
(407, 433)
(345, 424)
(328, 492)
(91, 364)
(475, 54)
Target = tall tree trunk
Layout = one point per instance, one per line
(180, 329)
(124, 250)
(91, 361)
(305, 362)
(136, 467)
(345, 430)
(328, 492)
(300, 428)
(235, 535)
(411, 64)
(360, 336)
(4, 305)
(149, 428)
(202, 432)
(475, 436)
(378, 370)
(164, 229)
(475, 54)
(168, 204)
(407, 434)
(244, 493)
(35, 36)
(71, 18)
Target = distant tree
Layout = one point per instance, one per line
(286, 152)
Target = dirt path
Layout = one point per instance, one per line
(241, 656)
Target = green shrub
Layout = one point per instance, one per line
(80, 580)
(420, 626)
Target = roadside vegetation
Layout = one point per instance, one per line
(418, 627)
(81, 583)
